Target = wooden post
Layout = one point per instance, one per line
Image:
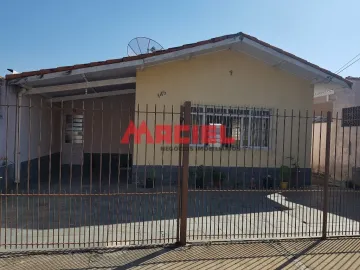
(327, 174)
(179, 180)
(185, 173)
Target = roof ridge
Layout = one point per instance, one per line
(173, 49)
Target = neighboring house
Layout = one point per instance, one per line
(345, 136)
(233, 71)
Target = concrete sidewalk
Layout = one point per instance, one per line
(151, 219)
(291, 254)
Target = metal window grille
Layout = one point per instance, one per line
(74, 129)
(351, 117)
(249, 127)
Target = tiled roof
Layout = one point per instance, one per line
(353, 78)
(170, 50)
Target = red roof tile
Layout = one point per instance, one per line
(186, 46)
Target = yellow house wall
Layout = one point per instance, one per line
(230, 79)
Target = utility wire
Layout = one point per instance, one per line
(339, 70)
(344, 67)
(349, 65)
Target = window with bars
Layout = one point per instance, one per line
(74, 129)
(351, 117)
(247, 127)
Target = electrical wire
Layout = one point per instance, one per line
(349, 65)
(339, 70)
(344, 67)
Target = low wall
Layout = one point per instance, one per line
(233, 177)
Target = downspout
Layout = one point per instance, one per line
(17, 145)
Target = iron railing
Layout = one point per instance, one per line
(140, 175)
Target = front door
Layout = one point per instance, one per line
(73, 140)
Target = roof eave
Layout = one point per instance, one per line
(145, 62)
(178, 53)
(325, 74)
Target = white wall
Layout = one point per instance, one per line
(37, 121)
(345, 138)
(342, 158)
(356, 89)
(7, 122)
(34, 141)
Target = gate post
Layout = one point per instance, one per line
(185, 173)
(327, 174)
(181, 122)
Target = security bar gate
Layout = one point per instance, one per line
(173, 174)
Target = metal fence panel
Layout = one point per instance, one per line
(161, 175)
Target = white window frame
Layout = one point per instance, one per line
(232, 116)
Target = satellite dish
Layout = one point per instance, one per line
(143, 45)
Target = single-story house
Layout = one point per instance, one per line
(221, 76)
(345, 134)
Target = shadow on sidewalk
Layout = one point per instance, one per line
(294, 257)
(343, 253)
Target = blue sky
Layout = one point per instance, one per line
(47, 33)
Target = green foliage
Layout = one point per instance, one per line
(203, 177)
(218, 175)
(285, 173)
(150, 177)
(3, 161)
(294, 162)
(151, 173)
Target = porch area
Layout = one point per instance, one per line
(67, 132)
